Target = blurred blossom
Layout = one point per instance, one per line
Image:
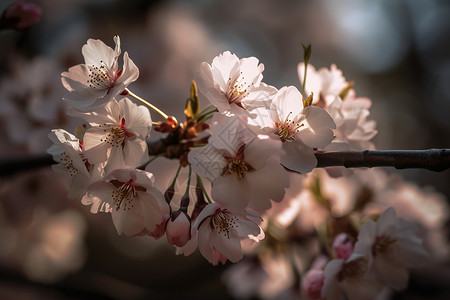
(32, 103)
(20, 15)
(59, 245)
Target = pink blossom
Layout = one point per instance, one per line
(20, 15)
(178, 229)
(343, 246)
(312, 283)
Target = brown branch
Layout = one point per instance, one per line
(432, 159)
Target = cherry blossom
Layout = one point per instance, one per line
(345, 279)
(391, 246)
(118, 134)
(68, 151)
(220, 232)
(233, 84)
(99, 79)
(301, 129)
(131, 198)
(244, 172)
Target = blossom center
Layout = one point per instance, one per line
(288, 129)
(237, 165)
(67, 163)
(124, 194)
(101, 77)
(115, 135)
(223, 223)
(382, 244)
(353, 270)
(238, 89)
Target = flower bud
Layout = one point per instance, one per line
(178, 229)
(312, 283)
(343, 246)
(20, 15)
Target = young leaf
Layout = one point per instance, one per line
(192, 104)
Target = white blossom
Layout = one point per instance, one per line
(118, 134)
(99, 79)
(135, 204)
(391, 246)
(233, 84)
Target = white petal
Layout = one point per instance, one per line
(135, 152)
(230, 246)
(317, 130)
(206, 162)
(298, 157)
(95, 51)
(231, 192)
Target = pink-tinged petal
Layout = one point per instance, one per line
(366, 238)
(251, 70)
(259, 151)
(390, 273)
(95, 151)
(230, 246)
(135, 152)
(209, 91)
(128, 220)
(231, 192)
(317, 131)
(207, 211)
(267, 183)
(178, 230)
(259, 96)
(144, 179)
(115, 160)
(246, 227)
(224, 66)
(298, 157)
(137, 118)
(330, 288)
(130, 71)
(287, 103)
(191, 245)
(206, 162)
(150, 209)
(99, 195)
(412, 254)
(107, 114)
(78, 186)
(386, 221)
(204, 241)
(96, 51)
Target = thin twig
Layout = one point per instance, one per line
(432, 159)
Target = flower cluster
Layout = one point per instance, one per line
(244, 151)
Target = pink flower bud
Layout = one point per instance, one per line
(178, 229)
(312, 283)
(21, 15)
(343, 246)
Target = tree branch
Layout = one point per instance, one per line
(433, 159)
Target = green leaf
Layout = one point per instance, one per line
(192, 104)
(308, 101)
(306, 53)
(344, 92)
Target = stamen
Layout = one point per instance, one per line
(382, 244)
(67, 162)
(124, 194)
(101, 77)
(222, 222)
(238, 89)
(288, 129)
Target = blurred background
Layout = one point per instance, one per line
(396, 51)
